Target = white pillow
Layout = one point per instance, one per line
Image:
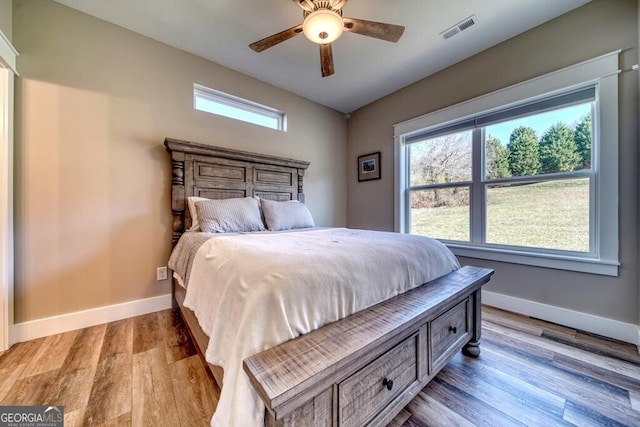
(191, 201)
(229, 215)
(286, 215)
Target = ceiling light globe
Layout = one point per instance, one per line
(323, 26)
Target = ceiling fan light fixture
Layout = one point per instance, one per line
(323, 26)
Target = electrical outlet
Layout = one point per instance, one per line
(161, 273)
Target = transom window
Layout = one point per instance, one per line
(222, 104)
(521, 181)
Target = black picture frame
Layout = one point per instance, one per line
(369, 167)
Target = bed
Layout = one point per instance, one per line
(301, 333)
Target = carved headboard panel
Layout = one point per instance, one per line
(222, 173)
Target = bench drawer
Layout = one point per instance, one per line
(369, 390)
(448, 331)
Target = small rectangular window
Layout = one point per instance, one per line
(220, 103)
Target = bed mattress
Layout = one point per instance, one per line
(253, 291)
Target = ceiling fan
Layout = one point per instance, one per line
(323, 24)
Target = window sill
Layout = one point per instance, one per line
(546, 260)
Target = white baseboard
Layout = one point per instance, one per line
(82, 319)
(615, 329)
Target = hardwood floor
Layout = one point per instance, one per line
(138, 371)
(532, 373)
(145, 371)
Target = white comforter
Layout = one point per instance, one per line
(251, 292)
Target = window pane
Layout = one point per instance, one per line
(552, 214)
(441, 160)
(213, 107)
(549, 142)
(442, 213)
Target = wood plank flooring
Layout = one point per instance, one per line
(145, 371)
(138, 371)
(532, 373)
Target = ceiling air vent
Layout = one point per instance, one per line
(459, 27)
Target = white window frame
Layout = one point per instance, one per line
(603, 73)
(237, 103)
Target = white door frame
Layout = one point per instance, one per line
(8, 56)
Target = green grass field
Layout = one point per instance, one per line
(552, 215)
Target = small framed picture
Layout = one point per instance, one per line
(369, 166)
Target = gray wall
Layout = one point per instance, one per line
(594, 29)
(5, 18)
(94, 103)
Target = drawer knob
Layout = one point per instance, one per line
(453, 329)
(387, 383)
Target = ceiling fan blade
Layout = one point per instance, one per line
(378, 30)
(273, 40)
(326, 59)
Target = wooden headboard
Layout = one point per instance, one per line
(222, 173)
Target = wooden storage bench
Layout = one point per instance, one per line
(365, 368)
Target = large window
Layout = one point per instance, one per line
(222, 104)
(520, 175)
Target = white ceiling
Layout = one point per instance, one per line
(366, 69)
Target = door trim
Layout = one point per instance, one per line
(8, 56)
